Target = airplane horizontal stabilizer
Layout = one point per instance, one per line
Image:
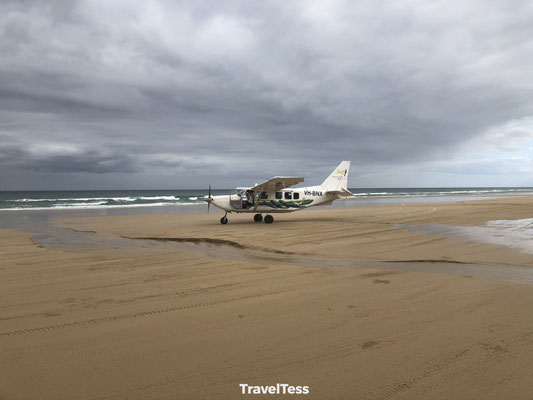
(341, 192)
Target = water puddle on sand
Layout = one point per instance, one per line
(517, 233)
(225, 249)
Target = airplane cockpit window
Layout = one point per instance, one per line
(264, 195)
(296, 195)
(279, 195)
(288, 195)
(242, 199)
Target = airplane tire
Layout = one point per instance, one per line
(258, 217)
(269, 219)
(223, 220)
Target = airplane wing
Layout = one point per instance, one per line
(277, 183)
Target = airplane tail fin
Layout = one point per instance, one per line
(338, 179)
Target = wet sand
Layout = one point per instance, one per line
(308, 300)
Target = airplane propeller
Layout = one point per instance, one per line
(209, 199)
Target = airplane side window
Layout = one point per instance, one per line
(296, 195)
(279, 196)
(288, 195)
(264, 195)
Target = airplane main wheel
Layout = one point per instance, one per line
(223, 220)
(258, 217)
(269, 219)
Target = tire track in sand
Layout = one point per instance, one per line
(96, 321)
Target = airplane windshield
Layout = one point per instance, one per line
(243, 198)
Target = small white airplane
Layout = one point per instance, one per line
(272, 196)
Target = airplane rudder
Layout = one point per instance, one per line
(339, 177)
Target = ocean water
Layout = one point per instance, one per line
(101, 199)
(104, 199)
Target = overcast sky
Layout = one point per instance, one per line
(168, 94)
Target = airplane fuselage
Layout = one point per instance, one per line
(282, 201)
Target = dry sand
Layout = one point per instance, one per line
(171, 320)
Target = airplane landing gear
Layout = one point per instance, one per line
(224, 219)
(269, 219)
(258, 217)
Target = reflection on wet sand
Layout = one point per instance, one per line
(512, 233)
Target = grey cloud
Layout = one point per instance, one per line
(250, 91)
(82, 160)
(90, 162)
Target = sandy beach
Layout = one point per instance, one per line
(354, 302)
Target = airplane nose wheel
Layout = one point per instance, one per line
(258, 217)
(224, 219)
(269, 219)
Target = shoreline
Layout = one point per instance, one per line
(192, 207)
(8, 216)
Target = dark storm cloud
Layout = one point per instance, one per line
(64, 160)
(91, 162)
(198, 91)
